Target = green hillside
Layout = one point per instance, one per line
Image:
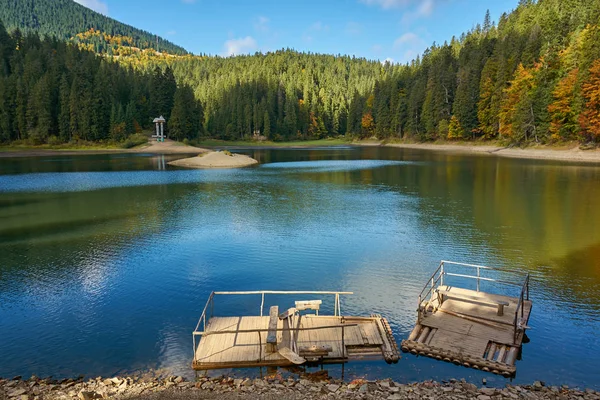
(65, 19)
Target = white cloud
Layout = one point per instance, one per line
(262, 24)
(407, 38)
(96, 5)
(409, 45)
(353, 28)
(414, 8)
(171, 33)
(388, 60)
(426, 8)
(313, 30)
(235, 47)
(386, 4)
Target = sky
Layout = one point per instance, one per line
(395, 30)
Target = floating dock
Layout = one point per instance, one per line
(294, 334)
(470, 327)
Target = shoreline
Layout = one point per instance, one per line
(152, 147)
(307, 386)
(570, 152)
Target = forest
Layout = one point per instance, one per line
(532, 76)
(53, 92)
(64, 19)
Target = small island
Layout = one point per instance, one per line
(216, 159)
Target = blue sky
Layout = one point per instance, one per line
(375, 29)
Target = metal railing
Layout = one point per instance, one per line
(518, 322)
(337, 309)
(429, 290)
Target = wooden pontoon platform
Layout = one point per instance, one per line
(293, 335)
(470, 327)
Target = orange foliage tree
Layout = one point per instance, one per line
(367, 123)
(563, 116)
(589, 120)
(517, 120)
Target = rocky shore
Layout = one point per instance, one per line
(310, 386)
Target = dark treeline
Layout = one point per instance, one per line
(533, 76)
(283, 95)
(53, 92)
(65, 19)
(530, 77)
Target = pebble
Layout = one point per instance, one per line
(245, 388)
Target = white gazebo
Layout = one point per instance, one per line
(160, 129)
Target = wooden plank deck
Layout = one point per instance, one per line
(242, 349)
(466, 329)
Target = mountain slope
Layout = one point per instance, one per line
(65, 19)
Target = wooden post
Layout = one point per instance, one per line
(491, 352)
(478, 276)
(424, 334)
(415, 332)
(512, 356)
(343, 343)
(259, 347)
(442, 274)
(501, 354)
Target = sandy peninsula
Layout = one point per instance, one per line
(216, 159)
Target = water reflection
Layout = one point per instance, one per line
(112, 258)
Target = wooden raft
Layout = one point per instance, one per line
(291, 338)
(471, 328)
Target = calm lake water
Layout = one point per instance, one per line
(106, 261)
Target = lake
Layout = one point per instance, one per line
(106, 261)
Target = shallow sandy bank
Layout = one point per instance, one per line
(167, 147)
(572, 153)
(217, 159)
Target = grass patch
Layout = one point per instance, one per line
(134, 140)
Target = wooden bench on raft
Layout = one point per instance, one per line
(309, 305)
(499, 304)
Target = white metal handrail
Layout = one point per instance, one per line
(202, 320)
(441, 272)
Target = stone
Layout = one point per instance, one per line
(24, 397)
(332, 388)
(237, 382)
(394, 397)
(83, 395)
(352, 386)
(17, 392)
(537, 385)
(487, 391)
(116, 381)
(483, 397)
(179, 379)
(484, 381)
(247, 382)
(363, 388)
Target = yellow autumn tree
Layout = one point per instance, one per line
(517, 119)
(455, 130)
(589, 120)
(563, 117)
